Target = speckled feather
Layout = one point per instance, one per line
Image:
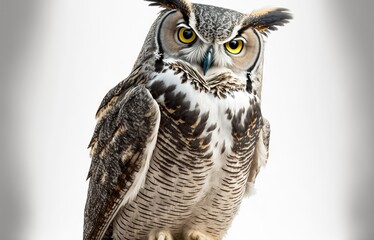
(215, 23)
(119, 152)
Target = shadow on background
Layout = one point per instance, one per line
(357, 22)
(16, 19)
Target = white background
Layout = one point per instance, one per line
(59, 58)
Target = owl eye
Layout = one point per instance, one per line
(186, 35)
(234, 46)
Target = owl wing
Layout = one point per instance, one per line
(121, 149)
(260, 155)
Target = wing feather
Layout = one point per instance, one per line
(121, 149)
(260, 156)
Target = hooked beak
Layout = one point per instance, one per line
(207, 62)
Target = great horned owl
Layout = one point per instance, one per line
(180, 141)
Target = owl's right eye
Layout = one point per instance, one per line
(186, 35)
(234, 46)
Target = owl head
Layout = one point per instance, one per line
(209, 38)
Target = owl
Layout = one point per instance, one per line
(180, 141)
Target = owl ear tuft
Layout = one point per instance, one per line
(184, 6)
(268, 19)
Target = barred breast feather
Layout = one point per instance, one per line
(201, 162)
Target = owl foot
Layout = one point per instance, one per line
(196, 235)
(160, 235)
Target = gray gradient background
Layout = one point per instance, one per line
(58, 59)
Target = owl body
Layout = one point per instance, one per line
(201, 164)
(181, 140)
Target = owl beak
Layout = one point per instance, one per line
(207, 60)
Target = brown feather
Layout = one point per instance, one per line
(267, 19)
(119, 152)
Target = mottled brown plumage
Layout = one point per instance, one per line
(179, 142)
(133, 118)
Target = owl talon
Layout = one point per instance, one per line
(161, 235)
(196, 235)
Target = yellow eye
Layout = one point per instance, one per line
(186, 35)
(234, 46)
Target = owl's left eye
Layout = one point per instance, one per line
(234, 46)
(186, 35)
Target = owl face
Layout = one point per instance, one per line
(212, 41)
(220, 47)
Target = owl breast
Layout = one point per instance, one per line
(199, 168)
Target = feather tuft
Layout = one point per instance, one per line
(268, 19)
(184, 6)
